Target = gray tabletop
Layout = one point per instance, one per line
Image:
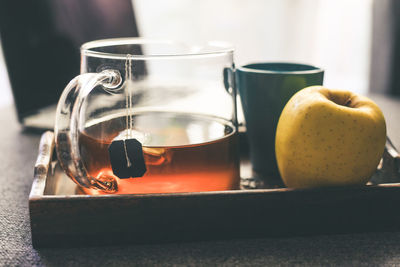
(19, 150)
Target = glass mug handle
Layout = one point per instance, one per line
(68, 117)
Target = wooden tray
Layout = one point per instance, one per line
(60, 216)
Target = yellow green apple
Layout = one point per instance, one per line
(329, 137)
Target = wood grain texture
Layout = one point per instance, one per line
(83, 220)
(42, 165)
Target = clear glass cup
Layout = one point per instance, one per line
(150, 117)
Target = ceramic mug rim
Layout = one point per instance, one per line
(258, 68)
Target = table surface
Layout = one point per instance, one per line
(19, 151)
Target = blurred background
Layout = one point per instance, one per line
(348, 38)
(334, 35)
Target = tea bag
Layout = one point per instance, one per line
(126, 158)
(125, 151)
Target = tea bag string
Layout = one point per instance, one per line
(128, 105)
(128, 96)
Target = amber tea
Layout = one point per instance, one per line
(182, 152)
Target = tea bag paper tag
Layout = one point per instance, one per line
(126, 158)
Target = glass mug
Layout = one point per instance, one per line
(150, 117)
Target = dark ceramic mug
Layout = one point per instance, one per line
(264, 90)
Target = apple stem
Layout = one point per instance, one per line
(348, 103)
